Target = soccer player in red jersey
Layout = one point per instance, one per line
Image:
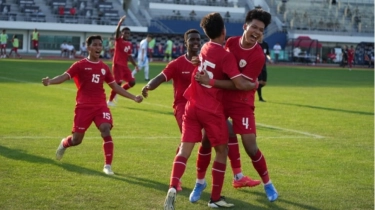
(180, 71)
(239, 105)
(123, 51)
(350, 57)
(204, 110)
(89, 74)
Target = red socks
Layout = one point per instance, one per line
(108, 150)
(67, 142)
(203, 161)
(234, 155)
(259, 163)
(218, 173)
(179, 165)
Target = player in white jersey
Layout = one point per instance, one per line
(142, 57)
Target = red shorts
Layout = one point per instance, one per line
(122, 73)
(179, 110)
(3, 46)
(84, 116)
(243, 119)
(195, 119)
(35, 43)
(15, 49)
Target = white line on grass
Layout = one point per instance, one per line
(168, 107)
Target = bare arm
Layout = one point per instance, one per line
(125, 93)
(118, 33)
(153, 84)
(56, 80)
(237, 83)
(131, 59)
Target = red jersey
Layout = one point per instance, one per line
(250, 63)
(350, 55)
(220, 64)
(89, 78)
(122, 50)
(180, 70)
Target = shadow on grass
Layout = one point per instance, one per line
(17, 154)
(326, 108)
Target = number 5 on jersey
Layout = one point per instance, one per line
(95, 78)
(203, 67)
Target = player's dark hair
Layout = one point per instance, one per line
(259, 14)
(125, 29)
(213, 25)
(190, 31)
(92, 38)
(149, 35)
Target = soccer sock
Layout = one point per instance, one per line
(218, 173)
(113, 93)
(203, 161)
(260, 165)
(146, 71)
(108, 149)
(234, 157)
(67, 142)
(178, 169)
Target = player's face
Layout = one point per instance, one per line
(193, 42)
(95, 49)
(125, 35)
(252, 32)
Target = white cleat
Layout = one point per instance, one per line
(60, 150)
(220, 203)
(170, 199)
(108, 170)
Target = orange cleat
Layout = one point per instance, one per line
(245, 182)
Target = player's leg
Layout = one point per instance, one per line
(191, 133)
(146, 70)
(248, 137)
(103, 121)
(179, 110)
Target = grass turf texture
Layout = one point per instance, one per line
(316, 131)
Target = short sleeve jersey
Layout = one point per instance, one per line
(250, 63)
(180, 71)
(143, 46)
(3, 38)
(89, 78)
(220, 64)
(122, 51)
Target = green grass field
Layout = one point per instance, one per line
(316, 131)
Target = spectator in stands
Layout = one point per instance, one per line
(73, 12)
(5, 10)
(71, 50)
(61, 13)
(276, 51)
(64, 49)
(100, 18)
(3, 44)
(227, 16)
(83, 49)
(151, 46)
(178, 15)
(168, 50)
(192, 15)
(82, 5)
(16, 44)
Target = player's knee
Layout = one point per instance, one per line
(105, 129)
(132, 83)
(77, 140)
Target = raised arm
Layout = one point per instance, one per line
(153, 84)
(118, 32)
(118, 89)
(56, 80)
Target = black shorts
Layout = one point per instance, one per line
(263, 75)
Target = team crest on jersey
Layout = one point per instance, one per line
(103, 71)
(242, 63)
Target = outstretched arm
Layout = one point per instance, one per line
(153, 84)
(118, 32)
(131, 59)
(118, 89)
(56, 80)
